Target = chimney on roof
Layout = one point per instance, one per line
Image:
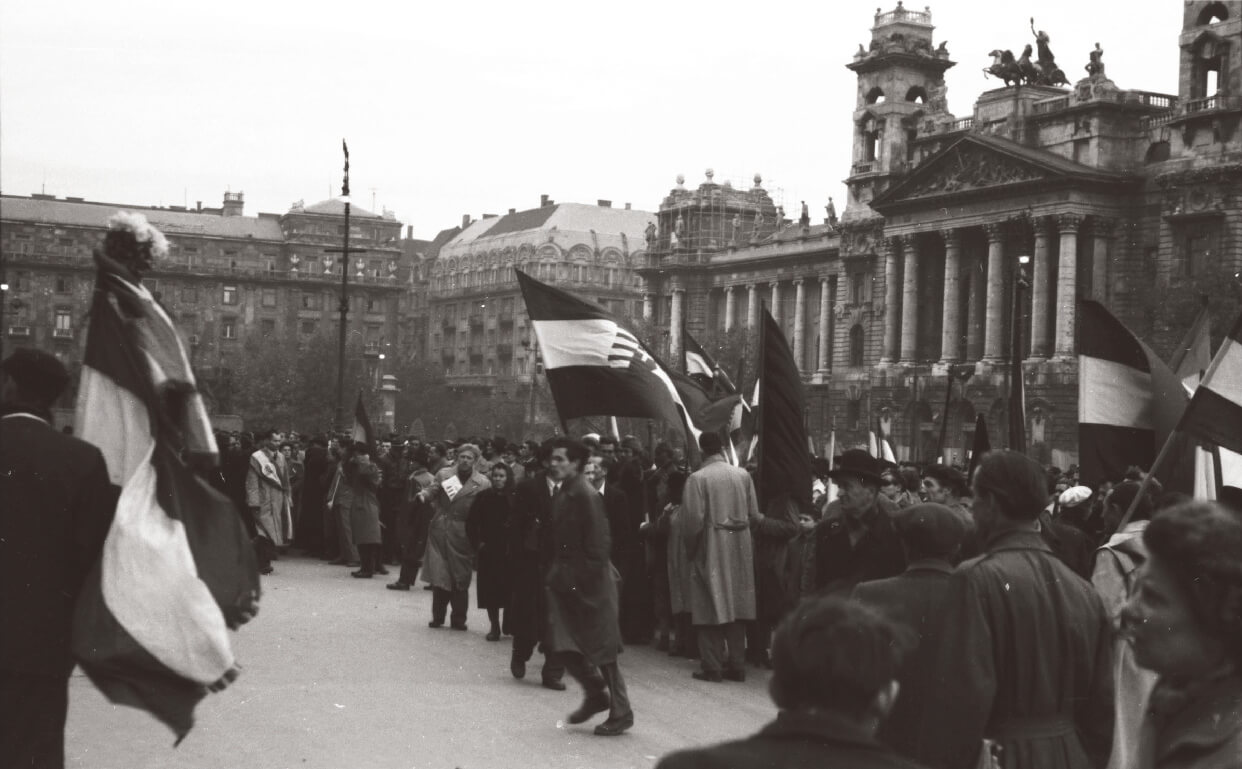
(627, 206)
(199, 205)
(233, 202)
(544, 201)
(465, 221)
(409, 232)
(604, 203)
(512, 211)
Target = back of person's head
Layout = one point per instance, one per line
(1015, 481)
(911, 479)
(420, 456)
(38, 378)
(1200, 543)
(929, 530)
(710, 443)
(1123, 495)
(835, 655)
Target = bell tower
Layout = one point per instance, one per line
(900, 87)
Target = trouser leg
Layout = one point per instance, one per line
(711, 647)
(439, 604)
(32, 720)
(331, 538)
(735, 639)
(586, 674)
(616, 687)
(523, 648)
(493, 616)
(348, 550)
(460, 600)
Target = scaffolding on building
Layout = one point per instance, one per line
(719, 214)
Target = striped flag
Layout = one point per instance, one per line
(362, 432)
(699, 365)
(1214, 414)
(594, 365)
(1129, 402)
(177, 568)
(1194, 354)
(883, 445)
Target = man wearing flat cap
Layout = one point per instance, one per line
(931, 536)
(855, 541)
(57, 507)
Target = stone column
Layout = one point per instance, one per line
(1067, 284)
(910, 301)
(1039, 290)
(648, 306)
(1101, 237)
(774, 304)
(799, 329)
(752, 307)
(825, 318)
(975, 308)
(892, 322)
(994, 317)
(951, 331)
(730, 308)
(675, 321)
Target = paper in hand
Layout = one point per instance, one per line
(451, 486)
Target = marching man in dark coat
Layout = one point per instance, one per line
(1025, 648)
(581, 589)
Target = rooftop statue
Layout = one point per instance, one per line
(1049, 73)
(1095, 66)
(1042, 71)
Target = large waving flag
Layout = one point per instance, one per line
(699, 365)
(784, 462)
(1194, 354)
(362, 432)
(1214, 414)
(177, 568)
(1129, 402)
(594, 365)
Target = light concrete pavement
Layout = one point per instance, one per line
(339, 672)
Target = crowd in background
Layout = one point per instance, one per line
(1017, 593)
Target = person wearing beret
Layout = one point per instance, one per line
(57, 508)
(931, 536)
(855, 540)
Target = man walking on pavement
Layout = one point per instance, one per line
(719, 504)
(582, 591)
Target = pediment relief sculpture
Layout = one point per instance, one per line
(968, 168)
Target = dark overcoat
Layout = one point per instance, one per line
(449, 563)
(834, 565)
(528, 555)
(794, 741)
(913, 598)
(489, 517)
(56, 506)
(1025, 658)
(778, 562)
(581, 581)
(364, 507)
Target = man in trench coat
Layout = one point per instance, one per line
(581, 589)
(450, 558)
(719, 504)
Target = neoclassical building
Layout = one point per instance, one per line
(903, 311)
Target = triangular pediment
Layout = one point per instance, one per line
(977, 162)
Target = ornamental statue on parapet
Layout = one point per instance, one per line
(1016, 71)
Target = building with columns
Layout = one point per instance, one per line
(902, 313)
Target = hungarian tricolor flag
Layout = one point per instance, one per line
(784, 462)
(1214, 414)
(1129, 402)
(699, 365)
(362, 432)
(594, 365)
(151, 627)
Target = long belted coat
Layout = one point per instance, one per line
(717, 506)
(581, 582)
(1025, 658)
(266, 491)
(449, 561)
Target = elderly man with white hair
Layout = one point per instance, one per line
(449, 559)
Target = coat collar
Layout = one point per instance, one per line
(819, 726)
(1208, 718)
(1016, 539)
(930, 564)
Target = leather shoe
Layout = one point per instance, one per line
(738, 675)
(614, 726)
(592, 704)
(493, 635)
(360, 574)
(458, 626)
(436, 623)
(706, 675)
(554, 685)
(517, 668)
(381, 570)
(398, 585)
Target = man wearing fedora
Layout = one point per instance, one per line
(855, 541)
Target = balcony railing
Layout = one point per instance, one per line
(902, 14)
(1213, 104)
(19, 330)
(863, 168)
(1050, 105)
(372, 348)
(62, 333)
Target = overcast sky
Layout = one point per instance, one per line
(456, 108)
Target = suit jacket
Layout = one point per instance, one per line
(581, 581)
(914, 598)
(835, 565)
(56, 506)
(794, 741)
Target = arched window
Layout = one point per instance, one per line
(875, 96)
(1213, 13)
(1208, 76)
(856, 345)
(917, 95)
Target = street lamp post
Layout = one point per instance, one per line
(1017, 395)
(344, 307)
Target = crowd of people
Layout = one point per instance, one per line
(1022, 612)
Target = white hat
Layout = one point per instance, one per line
(1074, 496)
